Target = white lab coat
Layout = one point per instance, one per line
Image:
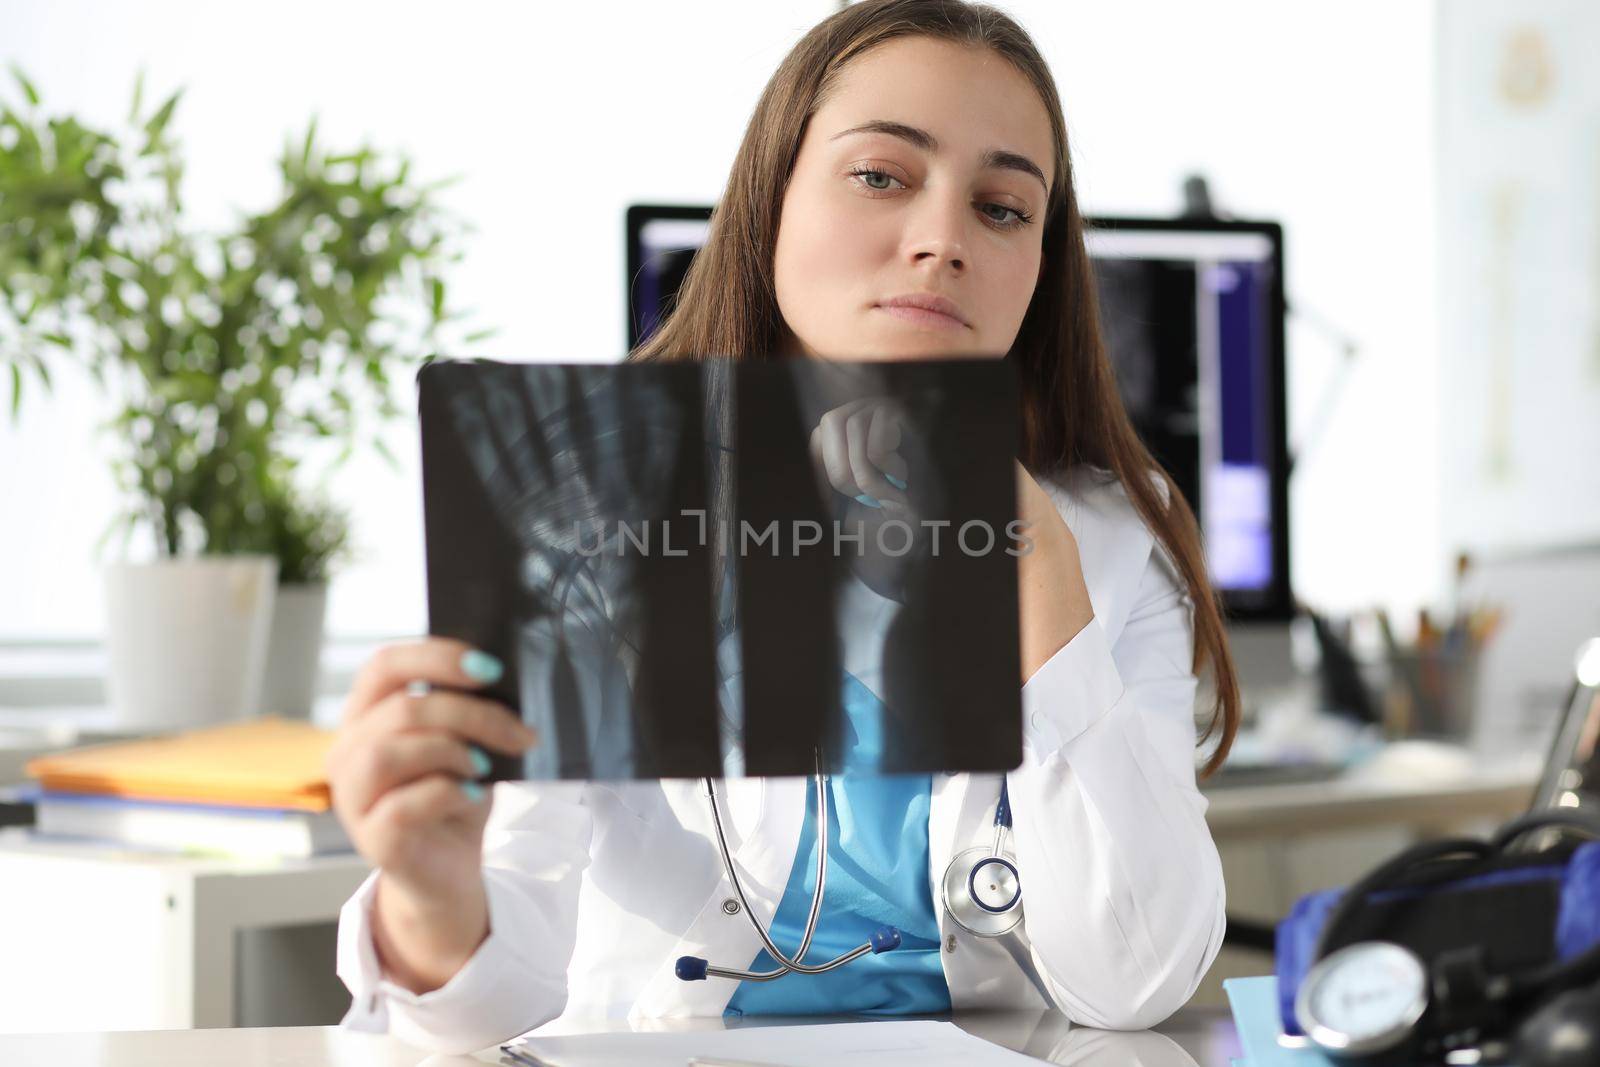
(595, 889)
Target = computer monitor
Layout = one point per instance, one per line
(1192, 312)
(662, 242)
(1193, 316)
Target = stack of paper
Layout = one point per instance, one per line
(253, 789)
(910, 1043)
(262, 763)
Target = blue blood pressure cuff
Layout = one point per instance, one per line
(1520, 910)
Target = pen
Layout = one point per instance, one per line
(525, 1058)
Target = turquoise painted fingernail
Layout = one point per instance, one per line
(481, 667)
(480, 761)
(868, 501)
(473, 790)
(898, 483)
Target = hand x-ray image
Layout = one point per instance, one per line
(720, 568)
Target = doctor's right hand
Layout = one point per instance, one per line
(402, 772)
(855, 450)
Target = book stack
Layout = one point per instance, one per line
(253, 789)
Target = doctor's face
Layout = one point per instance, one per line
(924, 175)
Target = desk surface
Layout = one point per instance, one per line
(1349, 800)
(1355, 800)
(1192, 1038)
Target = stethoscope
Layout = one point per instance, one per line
(982, 894)
(987, 899)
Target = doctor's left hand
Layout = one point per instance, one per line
(401, 771)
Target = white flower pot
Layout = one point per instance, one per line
(187, 639)
(294, 652)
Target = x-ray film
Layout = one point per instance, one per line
(719, 568)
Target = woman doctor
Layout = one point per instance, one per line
(903, 191)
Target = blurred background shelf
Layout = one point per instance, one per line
(202, 942)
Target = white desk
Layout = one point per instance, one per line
(1189, 1039)
(1354, 802)
(175, 923)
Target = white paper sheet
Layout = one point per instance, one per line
(882, 1044)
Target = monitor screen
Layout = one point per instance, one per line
(662, 242)
(1193, 316)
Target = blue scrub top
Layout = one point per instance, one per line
(877, 876)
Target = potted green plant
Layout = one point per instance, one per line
(309, 536)
(241, 361)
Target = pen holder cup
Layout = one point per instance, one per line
(1433, 693)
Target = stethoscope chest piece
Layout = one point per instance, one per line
(982, 892)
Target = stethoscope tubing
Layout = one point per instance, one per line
(785, 964)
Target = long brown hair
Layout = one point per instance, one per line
(1072, 414)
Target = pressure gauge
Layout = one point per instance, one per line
(1365, 998)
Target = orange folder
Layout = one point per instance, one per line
(261, 763)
